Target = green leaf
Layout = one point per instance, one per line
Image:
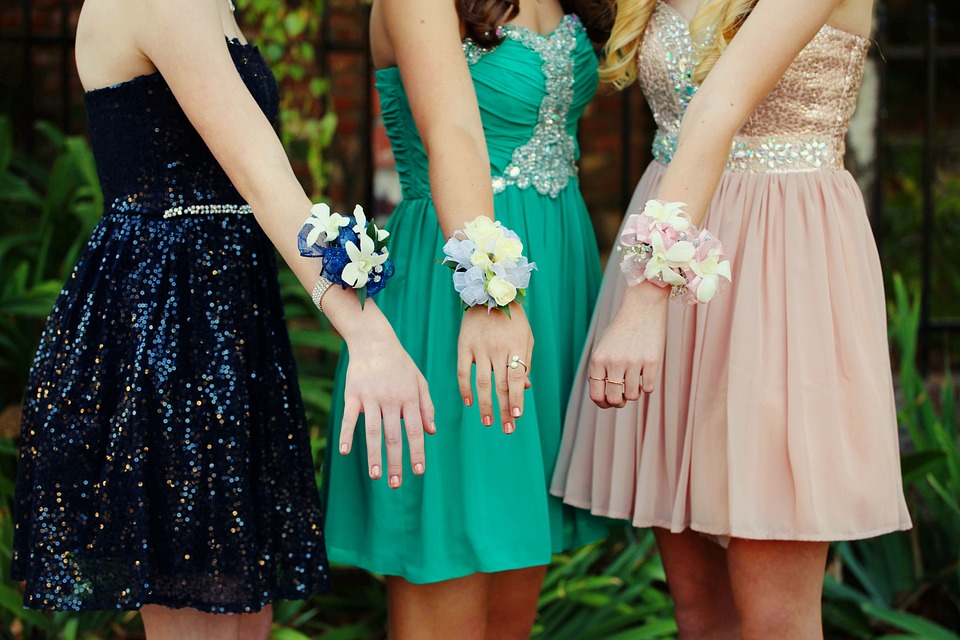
(908, 622)
(12, 601)
(282, 633)
(916, 465)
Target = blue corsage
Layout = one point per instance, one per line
(353, 250)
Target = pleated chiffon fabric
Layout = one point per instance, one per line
(774, 415)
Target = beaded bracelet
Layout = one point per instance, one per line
(662, 246)
(488, 264)
(353, 251)
(318, 290)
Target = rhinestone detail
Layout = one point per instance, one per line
(207, 210)
(766, 154)
(547, 162)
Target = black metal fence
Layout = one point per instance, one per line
(20, 47)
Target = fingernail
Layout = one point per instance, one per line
(433, 425)
(467, 402)
(418, 468)
(488, 421)
(508, 428)
(516, 412)
(394, 481)
(344, 448)
(375, 471)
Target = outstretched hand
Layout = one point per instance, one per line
(501, 347)
(628, 357)
(385, 385)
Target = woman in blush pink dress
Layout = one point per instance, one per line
(763, 420)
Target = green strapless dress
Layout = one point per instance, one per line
(483, 504)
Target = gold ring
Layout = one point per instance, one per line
(515, 361)
(616, 382)
(596, 378)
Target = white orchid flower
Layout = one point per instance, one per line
(670, 213)
(710, 271)
(663, 261)
(361, 220)
(363, 261)
(324, 222)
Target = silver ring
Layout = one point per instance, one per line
(515, 362)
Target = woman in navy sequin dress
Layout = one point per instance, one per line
(165, 460)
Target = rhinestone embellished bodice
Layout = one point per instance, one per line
(531, 90)
(150, 159)
(799, 126)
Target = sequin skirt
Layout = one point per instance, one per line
(164, 454)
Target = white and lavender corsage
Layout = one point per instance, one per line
(353, 250)
(488, 264)
(661, 245)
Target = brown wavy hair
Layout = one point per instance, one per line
(481, 17)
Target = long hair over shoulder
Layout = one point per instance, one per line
(481, 17)
(619, 64)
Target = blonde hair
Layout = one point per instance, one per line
(619, 64)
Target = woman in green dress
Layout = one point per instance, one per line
(481, 101)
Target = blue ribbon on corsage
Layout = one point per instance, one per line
(352, 249)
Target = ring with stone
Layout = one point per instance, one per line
(515, 362)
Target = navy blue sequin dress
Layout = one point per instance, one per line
(165, 457)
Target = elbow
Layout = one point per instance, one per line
(451, 135)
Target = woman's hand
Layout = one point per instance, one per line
(385, 385)
(492, 341)
(629, 355)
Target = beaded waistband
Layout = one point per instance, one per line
(207, 210)
(767, 154)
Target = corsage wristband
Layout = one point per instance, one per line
(352, 250)
(662, 246)
(488, 264)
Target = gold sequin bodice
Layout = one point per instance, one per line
(800, 125)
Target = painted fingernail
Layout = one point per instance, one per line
(516, 412)
(488, 421)
(375, 471)
(344, 448)
(394, 481)
(508, 428)
(467, 402)
(418, 468)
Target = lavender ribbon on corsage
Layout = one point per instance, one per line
(661, 245)
(352, 249)
(488, 264)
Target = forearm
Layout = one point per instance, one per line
(703, 146)
(459, 177)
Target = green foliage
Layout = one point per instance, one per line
(903, 229)
(47, 216)
(290, 32)
(909, 582)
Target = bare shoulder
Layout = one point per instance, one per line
(380, 48)
(106, 44)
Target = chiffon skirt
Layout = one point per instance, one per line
(774, 416)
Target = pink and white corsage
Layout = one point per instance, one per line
(661, 245)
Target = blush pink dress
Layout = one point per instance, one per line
(774, 418)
